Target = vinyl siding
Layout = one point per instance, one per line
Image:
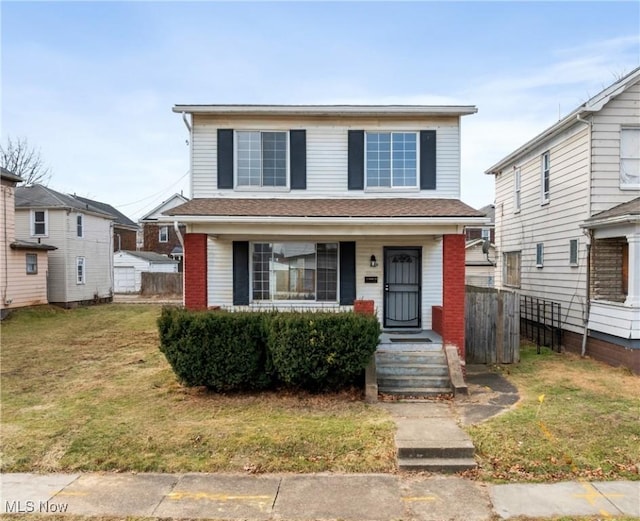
(622, 111)
(96, 246)
(123, 258)
(220, 280)
(553, 224)
(326, 155)
(22, 289)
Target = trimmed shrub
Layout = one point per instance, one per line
(223, 351)
(321, 351)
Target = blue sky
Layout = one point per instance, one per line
(91, 84)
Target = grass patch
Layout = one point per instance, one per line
(88, 390)
(587, 425)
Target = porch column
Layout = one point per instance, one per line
(633, 289)
(195, 271)
(453, 292)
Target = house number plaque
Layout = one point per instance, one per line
(370, 280)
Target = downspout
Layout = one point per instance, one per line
(585, 333)
(6, 246)
(176, 227)
(189, 143)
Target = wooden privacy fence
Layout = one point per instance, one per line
(161, 283)
(492, 326)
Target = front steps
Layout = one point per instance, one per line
(412, 370)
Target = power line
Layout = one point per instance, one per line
(157, 193)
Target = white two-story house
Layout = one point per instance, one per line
(567, 217)
(298, 207)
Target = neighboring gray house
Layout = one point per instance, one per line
(568, 222)
(125, 231)
(128, 267)
(80, 269)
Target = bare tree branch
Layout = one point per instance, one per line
(21, 159)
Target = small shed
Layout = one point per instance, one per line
(129, 265)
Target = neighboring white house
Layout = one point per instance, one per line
(128, 267)
(481, 252)
(23, 276)
(80, 269)
(568, 225)
(320, 206)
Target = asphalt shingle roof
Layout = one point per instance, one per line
(107, 208)
(39, 196)
(151, 256)
(629, 208)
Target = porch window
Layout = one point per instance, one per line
(630, 158)
(32, 264)
(511, 270)
(295, 271)
(391, 159)
(261, 158)
(610, 269)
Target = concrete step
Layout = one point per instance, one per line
(401, 369)
(415, 347)
(416, 392)
(454, 449)
(403, 357)
(449, 465)
(413, 381)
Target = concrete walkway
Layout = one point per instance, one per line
(375, 497)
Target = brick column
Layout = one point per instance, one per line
(453, 292)
(195, 271)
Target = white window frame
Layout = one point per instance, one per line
(505, 278)
(166, 234)
(34, 263)
(261, 187)
(410, 188)
(540, 255)
(485, 234)
(623, 185)
(271, 301)
(80, 226)
(573, 262)
(517, 180)
(33, 223)
(81, 270)
(545, 175)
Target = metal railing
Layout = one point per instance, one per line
(540, 322)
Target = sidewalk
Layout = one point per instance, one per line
(375, 497)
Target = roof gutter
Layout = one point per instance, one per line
(328, 110)
(303, 220)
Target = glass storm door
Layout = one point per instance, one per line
(402, 269)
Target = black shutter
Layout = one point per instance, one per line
(428, 160)
(356, 160)
(225, 158)
(298, 159)
(240, 273)
(347, 273)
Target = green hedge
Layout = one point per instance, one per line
(253, 350)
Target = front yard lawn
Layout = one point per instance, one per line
(88, 389)
(577, 419)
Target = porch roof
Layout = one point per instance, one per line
(622, 213)
(347, 208)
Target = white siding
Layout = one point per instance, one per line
(624, 110)
(327, 153)
(122, 259)
(220, 276)
(552, 224)
(615, 319)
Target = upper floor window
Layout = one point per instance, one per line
(391, 159)
(39, 221)
(546, 169)
(516, 192)
(80, 272)
(163, 234)
(573, 252)
(32, 263)
(511, 269)
(261, 158)
(630, 158)
(79, 226)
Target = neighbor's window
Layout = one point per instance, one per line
(546, 169)
(573, 252)
(516, 193)
(79, 226)
(539, 255)
(163, 234)
(511, 270)
(485, 234)
(392, 159)
(295, 271)
(32, 264)
(80, 270)
(630, 158)
(39, 222)
(261, 158)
